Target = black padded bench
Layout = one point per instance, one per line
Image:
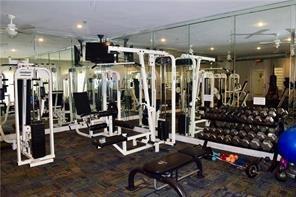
(163, 169)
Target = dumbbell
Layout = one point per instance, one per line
(255, 113)
(261, 136)
(272, 113)
(263, 129)
(251, 134)
(267, 145)
(236, 140)
(263, 113)
(234, 132)
(219, 131)
(213, 136)
(207, 136)
(220, 138)
(255, 143)
(272, 137)
(248, 127)
(250, 119)
(248, 112)
(240, 126)
(206, 129)
(226, 131)
(243, 118)
(245, 142)
(281, 112)
(258, 119)
(269, 120)
(200, 135)
(242, 133)
(227, 139)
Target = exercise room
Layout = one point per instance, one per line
(148, 98)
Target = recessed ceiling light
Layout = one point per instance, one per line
(79, 26)
(212, 48)
(258, 48)
(162, 40)
(40, 39)
(261, 24)
(12, 50)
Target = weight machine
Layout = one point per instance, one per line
(4, 112)
(150, 136)
(30, 134)
(199, 79)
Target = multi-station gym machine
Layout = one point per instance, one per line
(29, 121)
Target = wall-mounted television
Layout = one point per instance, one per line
(97, 52)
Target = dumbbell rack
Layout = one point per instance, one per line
(229, 147)
(278, 125)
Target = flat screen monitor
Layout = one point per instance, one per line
(98, 53)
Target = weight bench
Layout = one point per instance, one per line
(164, 169)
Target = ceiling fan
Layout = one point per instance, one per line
(277, 42)
(12, 30)
(256, 33)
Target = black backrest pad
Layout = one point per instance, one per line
(81, 103)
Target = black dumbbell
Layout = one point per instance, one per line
(213, 136)
(272, 113)
(248, 127)
(263, 129)
(263, 113)
(226, 131)
(219, 131)
(236, 140)
(272, 137)
(242, 133)
(261, 136)
(281, 112)
(200, 135)
(227, 139)
(267, 145)
(245, 142)
(207, 136)
(255, 113)
(269, 120)
(255, 143)
(220, 138)
(250, 119)
(243, 118)
(258, 119)
(234, 132)
(251, 134)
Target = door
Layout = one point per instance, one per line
(258, 82)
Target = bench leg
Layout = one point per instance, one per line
(173, 184)
(131, 178)
(199, 167)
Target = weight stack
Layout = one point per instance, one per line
(183, 123)
(38, 145)
(163, 130)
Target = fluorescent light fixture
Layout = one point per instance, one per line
(162, 40)
(12, 50)
(40, 39)
(212, 48)
(79, 26)
(258, 48)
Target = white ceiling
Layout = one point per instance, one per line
(111, 18)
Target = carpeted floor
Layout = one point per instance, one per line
(80, 169)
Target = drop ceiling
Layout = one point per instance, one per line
(111, 18)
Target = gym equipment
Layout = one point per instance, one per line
(4, 111)
(166, 168)
(287, 145)
(30, 135)
(199, 84)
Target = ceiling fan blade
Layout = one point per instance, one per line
(265, 43)
(26, 27)
(256, 33)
